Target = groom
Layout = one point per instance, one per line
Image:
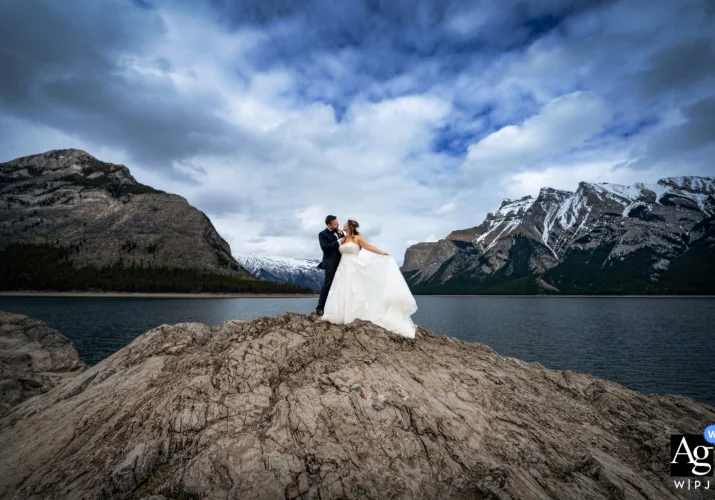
(329, 243)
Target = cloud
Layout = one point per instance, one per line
(107, 83)
(446, 208)
(687, 143)
(414, 117)
(562, 125)
(680, 67)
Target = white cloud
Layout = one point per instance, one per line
(565, 123)
(446, 208)
(365, 167)
(295, 141)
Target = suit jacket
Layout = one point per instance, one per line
(329, 244)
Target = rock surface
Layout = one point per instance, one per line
(100, 211)
(34, 358)
(602, 238)
(294, 407)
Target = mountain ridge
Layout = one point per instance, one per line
(558, 224)
(300, 272)
(56, 191)
(73, 222)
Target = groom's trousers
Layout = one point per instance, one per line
(327, 283)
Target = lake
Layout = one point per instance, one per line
(650, 344)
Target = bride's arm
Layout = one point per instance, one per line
(367, 246)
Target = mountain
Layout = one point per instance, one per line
(294, 407)
(283, 270)
(71, 221)
(602, 238)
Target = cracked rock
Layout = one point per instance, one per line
(34, 358)
(271, 408)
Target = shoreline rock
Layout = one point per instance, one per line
(294, 407)
(34, 358)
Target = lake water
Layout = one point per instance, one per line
(653, 345)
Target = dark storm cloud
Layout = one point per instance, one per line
(284, 226)
(225, 102)
(678, 67)
(220, 203)
(690, 141)
(40, 42)
(697, 131)
(64, 65)
(68, 66)
(379, 40)
(414, 26)
(72, 74)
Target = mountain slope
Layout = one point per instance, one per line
(295, 407)
(283, 270)
(602, 238)
(71, 222)
(71, 198)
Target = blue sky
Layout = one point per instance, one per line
(414, 117)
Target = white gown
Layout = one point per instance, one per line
(373, 290)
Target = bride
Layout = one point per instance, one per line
(373, 290)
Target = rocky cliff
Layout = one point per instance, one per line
(294, 407)
(103, 215)
(602, 238)
(34, 358)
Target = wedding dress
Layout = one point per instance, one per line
(373, 290)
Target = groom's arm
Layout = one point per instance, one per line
(326, 244)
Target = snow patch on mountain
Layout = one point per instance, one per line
(658, 189)
(618, 192)
(302, 272)
(515, 206)
(655, 219)
(698, 189)
(564, 210)
(691, 183)
(633, 205)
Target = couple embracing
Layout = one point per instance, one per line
(354, 288)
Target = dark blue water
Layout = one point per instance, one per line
(653, 345)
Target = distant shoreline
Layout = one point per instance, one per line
(296, 295)
(164, 295)
(574, 296)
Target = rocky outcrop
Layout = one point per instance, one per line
(294, 407)
(416, 256)
(34, 358)
(602, 238)
(69, 198)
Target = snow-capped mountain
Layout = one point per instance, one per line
(283, 270)
(602, 238)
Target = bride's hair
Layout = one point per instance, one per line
(353, 225)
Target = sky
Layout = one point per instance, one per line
(415, 118)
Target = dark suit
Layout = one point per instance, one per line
(329, 243)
